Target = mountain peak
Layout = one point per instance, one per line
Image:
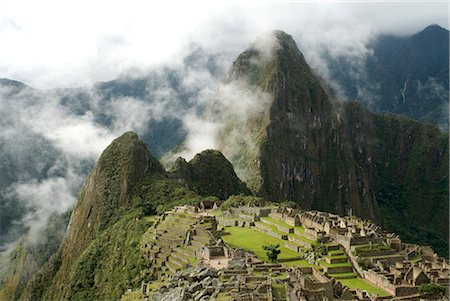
(121, 166)
(433, 31)
(210, 173)
(268, 57)
(434, 27)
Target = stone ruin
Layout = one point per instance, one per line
(184, 243)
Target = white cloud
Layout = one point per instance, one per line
(51, 43)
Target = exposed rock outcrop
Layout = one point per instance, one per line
(209, 173)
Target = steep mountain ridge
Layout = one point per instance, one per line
(337, 156)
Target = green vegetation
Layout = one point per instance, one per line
(235, 201)
(278, 291)
(252, 240)
(30, 254)
(363, 285)
(367, 248)
(408, 204)
(276, 222)
(96, 277)
(272, 252)
(209, 173)
(432, 289)
(157, 193)
(336, 252)
(344, 275)
(132, 296)
(334, 265)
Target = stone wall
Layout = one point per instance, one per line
(380, 280)
(384, 283)
(336, 270)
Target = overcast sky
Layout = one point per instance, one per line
(54, 43)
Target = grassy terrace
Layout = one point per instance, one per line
(310, 241)
(364, 285)
(334, 265)
(300, 229)
(150, 218)
(344, 275)
(336, 256)
(272, 227)
(281, 223)
(335, 253)
(275, 221)
(252, 240)
(275, 230)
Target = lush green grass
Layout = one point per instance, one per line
(276, 222)
(132, 296)
(252, 240)
(416, 258)
(273, 228)
(335, 265)
(150, 218)
(279, 291)
(299, 228)
(336, 252)
(336, 256)
(343, 274)
(364, 285)
(307, 240)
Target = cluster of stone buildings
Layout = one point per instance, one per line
(186, 238)
(376, 255)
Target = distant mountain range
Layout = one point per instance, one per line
(404, 75)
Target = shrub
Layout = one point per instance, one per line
(272, 252)
(432, 289)
(235, 201)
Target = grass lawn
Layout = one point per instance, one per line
(336, 252)
(150, 218)
(300, 229)
(307, 240)
(341, 264)
(272, 227)
(253, 240)
(344, 274)
(276, 222)
(336, 256)
(279, 291)
(364, 285)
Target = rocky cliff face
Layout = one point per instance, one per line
(336, 156)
